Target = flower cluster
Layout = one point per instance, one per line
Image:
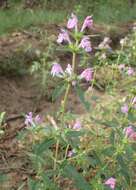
(111, 182)
(82, 43)
(73, 24)
(32, 121)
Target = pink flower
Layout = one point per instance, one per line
(130, 71)
(133, 136)
(56, 70)
(72, 22)
(29, 119)
(77, 125)
(128, 131)
(86, 44)
(68, 69)
(87, 74)
(125, 109)
(88, 22)
(111, 182)
(37, 119)
(70, 153)
(63, 37)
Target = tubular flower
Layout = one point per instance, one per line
(130, 71)
(77, 125)
(70, 153)
(72, 22)
(87, 74)
(30, 120)
(56, 70)
(86, 44)
(133, 136)
(63, 37)
(128, 131)
(111, 182)
(88, 22)
(37, 119)
(68, 69)
(124, 109)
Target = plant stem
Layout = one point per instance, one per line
(73, 62)
(64, 104)
(66, 152)
(56, 156)
(64, 101)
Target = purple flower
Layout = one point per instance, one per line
(77, 125)
(70, 153)
(32, 121)
(56, 70)
(111, 182)
(87, 74)
(72, 22)
(130, 71)
(68, 69)
(125, 109)
(63, 37)
(29, 119)
(86, 44)
(88, 22)
(37, 119)
(128, 131)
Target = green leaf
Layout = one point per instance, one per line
(112, 137)
(124, 168)
(58, 91)
(80, 93)
(33, 185)
(42, 147)
(49, 183)
(80, 182)
(131, 117)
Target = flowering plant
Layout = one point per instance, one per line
(95, 152)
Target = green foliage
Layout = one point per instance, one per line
(41, 68)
